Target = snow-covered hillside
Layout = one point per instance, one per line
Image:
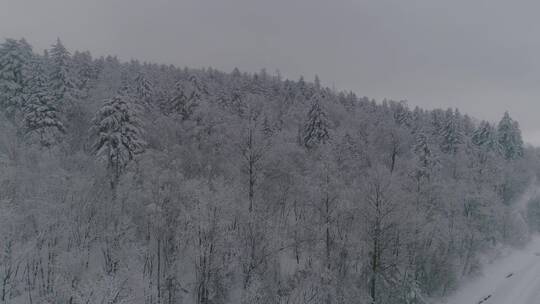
(139, 183)
(513, 279)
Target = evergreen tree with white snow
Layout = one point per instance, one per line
(402, 114)
(316, 127)
(485, 136)
(187, 97)
(451, 132)
(118, 134)
(41, 116)
(85, 71)
(14, 58)
(62, 81)
(144, 89)
(427, 159)
(509, 138)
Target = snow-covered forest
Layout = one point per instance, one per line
(130, 182)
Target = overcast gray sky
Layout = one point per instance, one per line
(479, 56)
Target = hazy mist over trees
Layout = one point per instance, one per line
(130, 182)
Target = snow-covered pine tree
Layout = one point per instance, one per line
(509, 138)
(186, 98)
(303, 91)
(257, 84)
(118, 134)
(451, 132)
(85, 70)
(427, 159)
(144, 89)
(234, 94)
(62, 80)
(316, 128)
(402, 114)
(41, 116)
(485, 136)
(14, 57)
(178, 104)
(437, 120)
(288, 92)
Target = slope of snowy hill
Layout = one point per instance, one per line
(139, 183)
(512, 279)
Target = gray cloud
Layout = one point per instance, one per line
(480, 56)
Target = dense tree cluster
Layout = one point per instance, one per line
(128, 182)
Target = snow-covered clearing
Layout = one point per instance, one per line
(512, 279)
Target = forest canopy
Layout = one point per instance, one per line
(130, 182)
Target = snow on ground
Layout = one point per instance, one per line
(512, 279)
